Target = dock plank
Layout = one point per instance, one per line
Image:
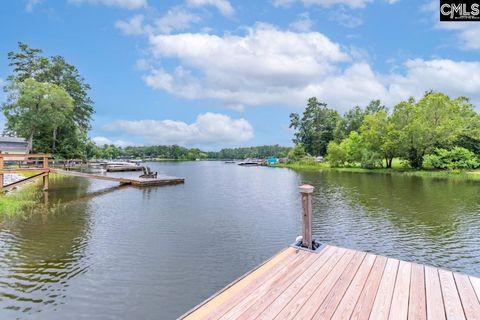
(399, 309)
(469, 299)
(225, 299)
(338, 283)
(328, 255)
(364, 304)
(476, 285)
(345, 307)
(272, 286)
(383, 300)
(291, 309)
(435, 305)
(348, 262)
(417, 306)
(451, 298)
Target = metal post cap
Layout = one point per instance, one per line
(306, 188)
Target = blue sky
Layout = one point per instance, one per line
(220, 73)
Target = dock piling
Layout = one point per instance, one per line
(1, 173)
(306, 193)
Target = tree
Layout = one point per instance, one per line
(71, 136)
(436, 121)
(351, 121)
(315, 129)
(36, 105)
(378, 133)
(297, 153)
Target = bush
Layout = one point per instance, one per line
(297, 153)
(371, 159)
(456, 158)
(336, 155)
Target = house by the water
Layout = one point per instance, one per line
(13, 145)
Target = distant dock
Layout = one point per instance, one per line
(138, 182)
(40, 169)
(337, 283)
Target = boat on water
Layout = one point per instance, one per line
(251, 162)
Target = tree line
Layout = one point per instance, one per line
(47, 103)
(436, 131)
(176, 152)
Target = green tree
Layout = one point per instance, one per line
(436, 121)
(71, 136)
(35, 105)
(378, 133)
(351, 121)
(315, 129)
(296, 153)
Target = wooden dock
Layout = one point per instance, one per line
(338, 283)
(138, 182)
(42, 170)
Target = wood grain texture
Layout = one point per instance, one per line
(399, 307)
(383, 300)
(292, 308)
(417, 305)
(338, 283)
(469, 299)
(451, 298)
(289, 294)
(367, 297)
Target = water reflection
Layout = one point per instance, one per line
(128, 253)
(40, 255)
(426, 220)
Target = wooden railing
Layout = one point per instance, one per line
(44, 169)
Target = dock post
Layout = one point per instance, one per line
(46, 176)
(306, 192)
(1, 172)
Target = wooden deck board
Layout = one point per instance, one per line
(451, 298)
(417, 305)
(349, 300)
(434, 298)
(338, 283)
(383, 300)
(469, 299)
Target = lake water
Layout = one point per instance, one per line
(128, 253)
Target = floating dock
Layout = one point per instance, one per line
(138, 182)
(338, 283)
(123, 168)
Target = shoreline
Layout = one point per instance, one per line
(472, 175)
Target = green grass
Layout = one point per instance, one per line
(20, 201)
(398, 167)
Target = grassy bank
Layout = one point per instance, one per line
(397, 168)
(21, 200)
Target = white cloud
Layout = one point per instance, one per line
(30, 5)
(354, 4)
(303, 23)
(467, 33)
(101, 141)
(455, 78)
(209, 128)
(224, 6)
(345, 19)
(175, 19)
(126, 4)
(134, 26)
